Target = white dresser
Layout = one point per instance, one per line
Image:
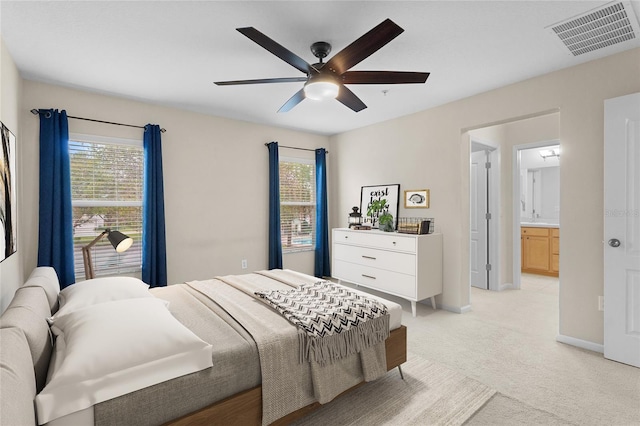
(405, 265)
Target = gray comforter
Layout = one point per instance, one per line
(287, 384)
(236, 367)
(253, 344)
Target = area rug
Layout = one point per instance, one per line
(430, 394)
(502, 410)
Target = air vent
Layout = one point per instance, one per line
(603, 27)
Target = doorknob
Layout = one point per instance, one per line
(614, 242)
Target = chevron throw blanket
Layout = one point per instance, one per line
(335, 322)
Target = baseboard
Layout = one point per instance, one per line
(506, 286)
(584, 344)
(465, 309)
(455, 309)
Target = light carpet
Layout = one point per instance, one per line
(429, 394)
(501, 410)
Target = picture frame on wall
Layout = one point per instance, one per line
(8, 202)
(389, 192)
(416, 199)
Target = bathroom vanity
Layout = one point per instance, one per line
(540, 248)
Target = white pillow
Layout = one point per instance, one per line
(100, 290)
(114, 348)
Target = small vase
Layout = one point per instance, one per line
(387, 227)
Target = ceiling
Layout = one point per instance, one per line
(170, 52)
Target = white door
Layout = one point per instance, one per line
(622, 230)
(478, 204)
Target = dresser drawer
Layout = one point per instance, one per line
(381, 259)
(376, 239)
(380, 279)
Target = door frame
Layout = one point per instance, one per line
(515, 170)
(493, 188)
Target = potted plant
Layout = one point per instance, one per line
(385, 219)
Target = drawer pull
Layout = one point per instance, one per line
(369, 257)
(346, 237)
(368, 276)
(394, 243)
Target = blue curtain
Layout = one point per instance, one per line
(322, 263)
(275, 239)
(55, 231)
(154, 248)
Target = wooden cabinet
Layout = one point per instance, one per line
(408, 266)
(555, 250)
(540, 250)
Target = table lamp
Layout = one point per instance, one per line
(118, 240)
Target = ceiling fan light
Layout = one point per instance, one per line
(319, 90)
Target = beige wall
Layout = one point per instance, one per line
(427, 149)
(10, 86)
(215, 174)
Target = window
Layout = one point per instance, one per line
(106, 192)
(297, 204)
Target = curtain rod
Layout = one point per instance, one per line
(295, 147)
(36, 112)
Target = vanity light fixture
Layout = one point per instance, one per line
(546, 153)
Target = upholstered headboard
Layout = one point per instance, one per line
(26, 345)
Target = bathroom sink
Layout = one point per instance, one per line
(540, 224)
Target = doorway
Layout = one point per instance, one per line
(484, 184)
(504, 249)
(536, 209)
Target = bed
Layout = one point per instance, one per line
(230, 381)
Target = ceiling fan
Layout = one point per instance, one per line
(327, 80)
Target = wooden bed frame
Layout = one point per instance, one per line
(245, 408)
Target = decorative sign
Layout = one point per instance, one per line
(8, 202)
(389, 192)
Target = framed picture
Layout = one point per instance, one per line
(416, 199)
(8, 203)
(390, 192)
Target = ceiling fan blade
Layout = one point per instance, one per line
(383, 77)
(360, 49)
(349, 99)
(261, 80)
(278, 50)
(293, 101)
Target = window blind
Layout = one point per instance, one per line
(297, 204)
(106, 192)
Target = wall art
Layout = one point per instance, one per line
(8, 202)
(416, 199)
(388, 192)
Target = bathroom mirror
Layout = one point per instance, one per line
(540, 186)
